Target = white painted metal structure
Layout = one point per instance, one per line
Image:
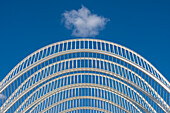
(85, 75)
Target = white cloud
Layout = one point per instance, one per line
(83, 23)
(2, 96)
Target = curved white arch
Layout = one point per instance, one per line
(46, 47)
(48, 52)
(98, 109)
(93, 85)
(90, 97)
(89, 108)
(151, 96)
(85, 97)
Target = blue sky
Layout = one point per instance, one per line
(27, 25)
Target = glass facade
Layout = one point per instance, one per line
(85, 76)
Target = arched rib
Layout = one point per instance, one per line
(89, 108)
(83, 97)
(135, 85)
(115, 55)
(95, 85)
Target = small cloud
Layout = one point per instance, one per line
(83, 23)
(2, 96)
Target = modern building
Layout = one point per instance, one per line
(84, 76)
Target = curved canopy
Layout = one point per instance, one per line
(101, 64)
